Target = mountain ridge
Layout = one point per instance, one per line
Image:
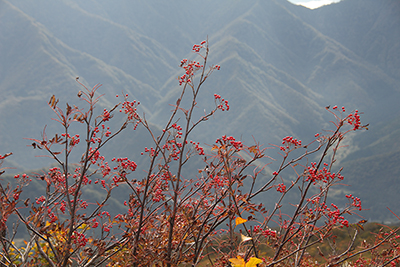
(281, 64)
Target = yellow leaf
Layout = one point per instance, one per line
(245, 238)
(238, 262)
(214, 147)
(83, 226)
(240, 220)
(253, 262)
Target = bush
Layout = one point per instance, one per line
(211, 217)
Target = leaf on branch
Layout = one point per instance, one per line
(360, 225)
(245, 238)
(240, 220)
(68, 109)
(78, 117)
(253, 149)
(53, 102)
(52, 99)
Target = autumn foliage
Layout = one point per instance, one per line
(213, 217)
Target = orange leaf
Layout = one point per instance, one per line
(240, 220)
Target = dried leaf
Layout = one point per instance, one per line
(68, 109)
(53, 102)
(360, 224)
(245, 238)
(253, 149)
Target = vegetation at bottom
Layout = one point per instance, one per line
(340, 239)
(175, 215)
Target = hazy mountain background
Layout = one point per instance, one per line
(281, 64)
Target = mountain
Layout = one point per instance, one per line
(373, 34)
(281, 64)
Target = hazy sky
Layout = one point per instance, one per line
(313, 3)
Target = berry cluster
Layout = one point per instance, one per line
(354, 119)
(230, 140)
(281, 188)
(323, 175)
(221, 103)
(288, 142)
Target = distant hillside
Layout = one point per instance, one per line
(281, 65)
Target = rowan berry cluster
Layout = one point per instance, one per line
(281, 188)
(197, 147)
(221, 103)
(125, 164)
(106, 115)
(335, 215)
(288, 142)
(230, 140)
(354, 119)
(130, 109)
(218, 181)
(197, 47)
(266, 233)
(322, 175)
(356, 201)
(79, 239)
(190, 67)
(98, 138)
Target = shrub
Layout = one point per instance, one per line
(211, 217)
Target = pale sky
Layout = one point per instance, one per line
(313, 3)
